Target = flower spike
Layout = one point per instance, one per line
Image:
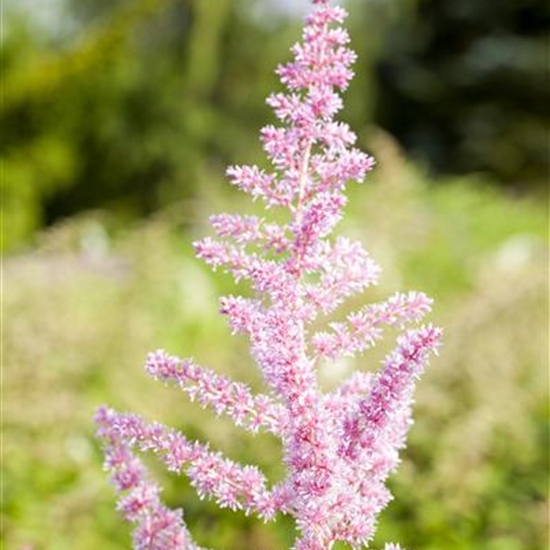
(338, 448)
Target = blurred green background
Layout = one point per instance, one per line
(118, 118)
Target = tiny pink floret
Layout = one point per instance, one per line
(339, 447)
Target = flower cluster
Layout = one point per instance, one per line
(339, 447)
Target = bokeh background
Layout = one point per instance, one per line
(118, 118)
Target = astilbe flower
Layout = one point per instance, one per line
(338, 447)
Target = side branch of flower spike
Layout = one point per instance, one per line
(381, 418)
(363, 328)
(231, 485)
(208, 388)
(156, 526)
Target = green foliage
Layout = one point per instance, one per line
(126, 105)
(464, 85)
(132, 109)
(90, 300)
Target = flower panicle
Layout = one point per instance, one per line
(338, 447)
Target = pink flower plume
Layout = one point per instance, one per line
(338, 447)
